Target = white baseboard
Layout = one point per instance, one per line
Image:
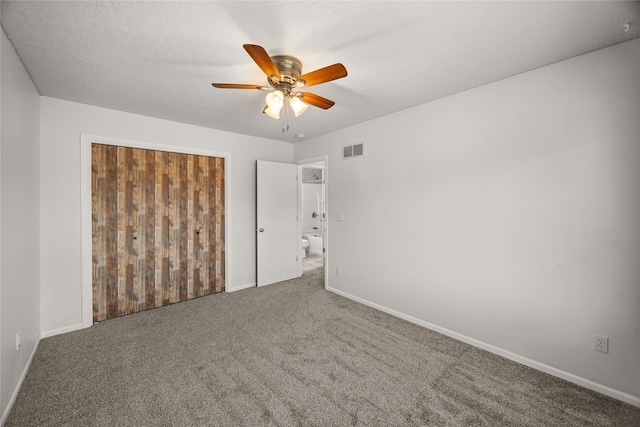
(240, 287)
(71, 328)
(16, 390)
(591, 385)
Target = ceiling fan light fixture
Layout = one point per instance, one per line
(297, 105)
(274, 100)
(274, 114)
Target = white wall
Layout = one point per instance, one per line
(506, 215)
(311, 197)
(62, 123)
(19, 235)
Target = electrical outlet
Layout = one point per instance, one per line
(339, 271)
(601, 343)
(18, 341)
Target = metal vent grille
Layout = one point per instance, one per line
(355, 150)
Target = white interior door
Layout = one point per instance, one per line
(278, 244)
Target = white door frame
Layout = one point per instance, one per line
(86, 288)
(303, 162)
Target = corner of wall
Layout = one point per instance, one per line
(20, 213)
(14, 394)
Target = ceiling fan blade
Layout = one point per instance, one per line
(323, 75)
(236, 86)
(316, 101)
(261, 57)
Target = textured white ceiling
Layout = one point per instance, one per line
(160, 58)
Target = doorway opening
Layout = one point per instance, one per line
(312, 211)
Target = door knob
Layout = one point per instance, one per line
(261, 230)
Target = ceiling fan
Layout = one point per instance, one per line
(284, 75)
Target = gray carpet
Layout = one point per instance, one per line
(289, 354)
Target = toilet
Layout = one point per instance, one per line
(305, 245)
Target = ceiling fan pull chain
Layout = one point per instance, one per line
(285, 118)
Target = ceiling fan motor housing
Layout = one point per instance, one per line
(290, 69)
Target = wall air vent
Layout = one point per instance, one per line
(351, 151)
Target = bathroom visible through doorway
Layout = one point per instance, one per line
(312, 210)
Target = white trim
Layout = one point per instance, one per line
(241, 287)
(8, 407)
(299, 218)
(591, 385)
(59, 331)
(85, 187)
(16, 390)
(325, 159)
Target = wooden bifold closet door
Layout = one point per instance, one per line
(158, 228)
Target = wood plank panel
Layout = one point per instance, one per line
(190, 225)
(166, 230)
(198, 256)
(147, 202)
(111, 232)
(219, 228)
(158, 228)
(97, 230)
(122, 229)
(139, 233)
(211, 225)
(131, 211)
(104, 224)
(206, 229)
(172, 294)
(182, 224)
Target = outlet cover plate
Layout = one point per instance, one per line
(601, 343)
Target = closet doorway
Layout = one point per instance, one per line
(158, 228)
